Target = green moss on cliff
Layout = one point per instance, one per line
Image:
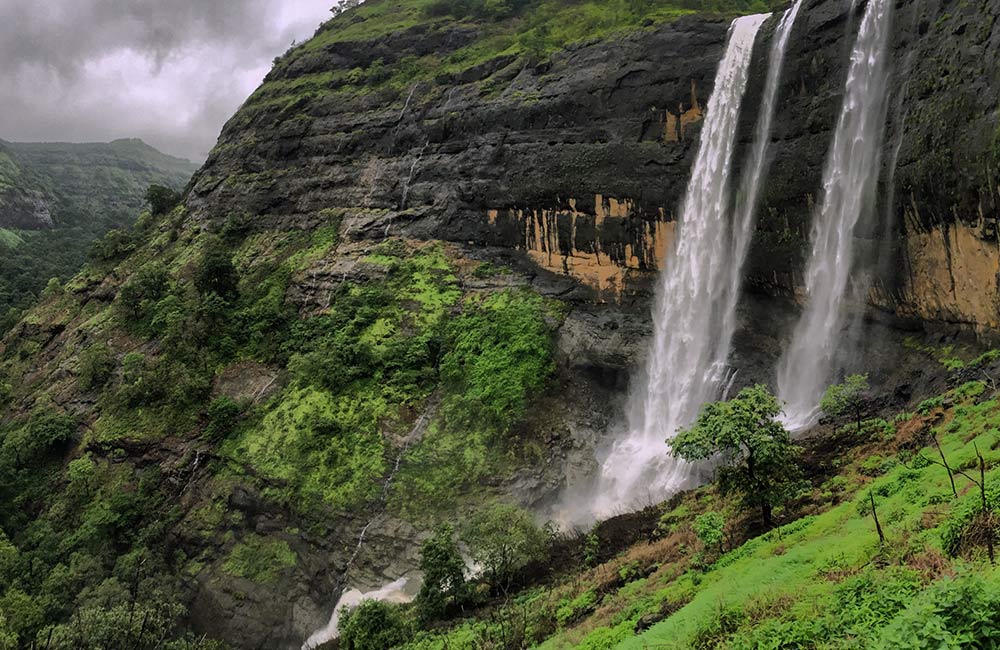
(496, 359)
(527, 31)
(259, 559)
(323, 448)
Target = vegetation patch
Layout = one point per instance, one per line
(529, 30)
(320, 447)
(259, 559)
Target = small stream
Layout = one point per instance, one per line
(402, 590)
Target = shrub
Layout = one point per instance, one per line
(373, 624)
(444, 585)
(113, 246)
(96, 365)
(52, 289)
(847, 398)
(42, 435)
(140, 293)
(591, 550)
(928, 405)
(709, 529)
(967, 525)
(147, 626)
(222, 414)
(963, 612)
(161, 199)
(259, 559)
(570, 611)
(215, 272)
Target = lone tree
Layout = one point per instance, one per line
(847, 398)
(373, 624)
(161, 199)
(444, 587)
(504, 539)
(758, 458)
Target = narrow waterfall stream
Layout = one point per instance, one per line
(849, 183)
(754, 172)
(398, 591)
(686, 361)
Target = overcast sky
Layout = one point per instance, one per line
(168, 71)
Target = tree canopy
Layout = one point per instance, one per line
(503, 539)
(758, 458)
(847, 398)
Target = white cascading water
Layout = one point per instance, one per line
(686, 362)
(399, 591)
(849, 183)
(753, 175)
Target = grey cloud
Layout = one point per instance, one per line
(169, 71)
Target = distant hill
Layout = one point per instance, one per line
(57, 198)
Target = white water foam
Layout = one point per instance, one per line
(849, 182)
(687, 358)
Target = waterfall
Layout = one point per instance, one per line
(394, 592)
(753, 175)
(686, 362)
(849, 183)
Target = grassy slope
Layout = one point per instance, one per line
(531, 30)
(792, 587)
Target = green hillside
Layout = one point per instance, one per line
(88, 189)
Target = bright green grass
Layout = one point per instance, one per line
(843, 537)
(10, 239)
(323, 447)
(259, 560)
(822, 581)
(536, 32)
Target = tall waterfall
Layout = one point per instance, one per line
(687, 358)
(753, 174)
(849, 183)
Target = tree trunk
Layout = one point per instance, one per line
(765, 514)
(878, 526)
(987, 515)
(944, 461)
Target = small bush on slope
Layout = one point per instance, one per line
(373, 624)
(962, 612)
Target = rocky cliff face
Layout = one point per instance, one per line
(929, 243)
(571, 172)
(22, 209)
(581, 162)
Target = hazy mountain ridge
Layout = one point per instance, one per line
(57, 198)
